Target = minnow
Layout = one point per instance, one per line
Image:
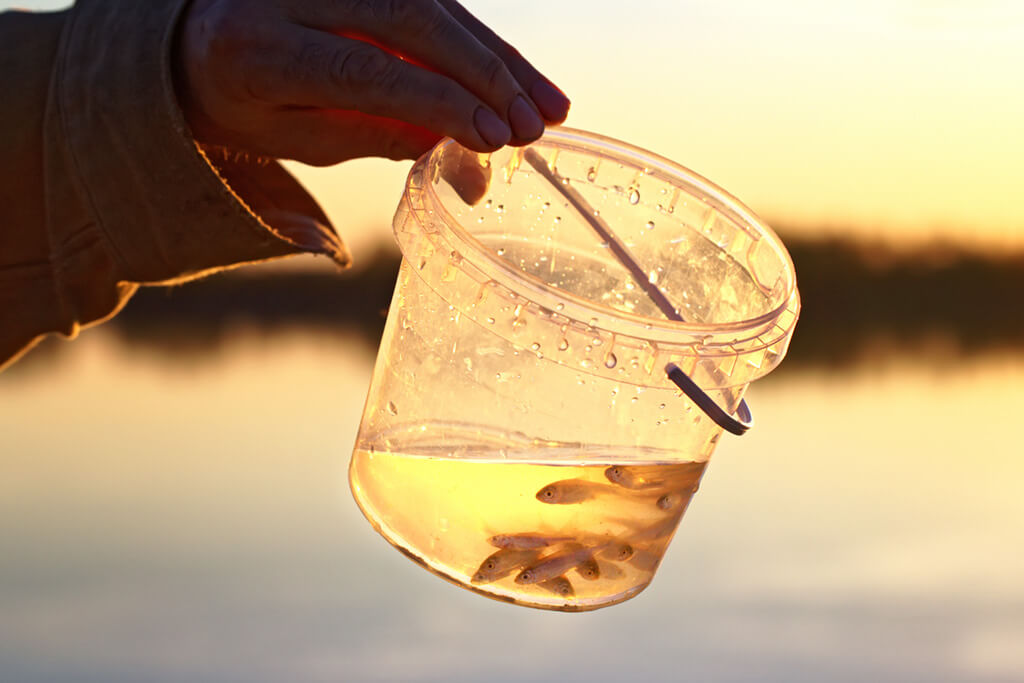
(559, 585)
(502, 563)
(553, 565)
(619, 552)
(525, 541)
(570, 491)
(645, 560)
(657, 531)
(589, 569)
(611, 571)
(640, 477)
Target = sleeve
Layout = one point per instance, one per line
(102, 187)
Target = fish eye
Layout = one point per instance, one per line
(490, 565)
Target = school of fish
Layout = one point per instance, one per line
(551, 560)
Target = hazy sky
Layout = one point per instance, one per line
(895, 118)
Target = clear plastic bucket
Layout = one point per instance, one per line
(521, 436)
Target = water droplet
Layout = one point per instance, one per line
(662, 406)
(593, 322)
(490, 320)
(634, 399)
(650, 225)
(518, 310)
(563, 345)
(634, 196)
(449, 273)
(423, 263)
(392, 408)
(487, 204)
(535, 346)
(610, 361)
(588, 348)
(586, 363)
(480, 219)
(501, 208)
(558, 219)
(596, 341)
(652, 277)
(501, 251)
(559, 306)
(592, 174)
(547, 205)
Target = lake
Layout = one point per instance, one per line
(175, 515)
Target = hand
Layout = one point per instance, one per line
(329, 80)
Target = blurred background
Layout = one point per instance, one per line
(173, 500)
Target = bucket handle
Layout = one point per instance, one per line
(679, 378)
(734, 425)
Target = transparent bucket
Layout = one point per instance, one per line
(521, 437)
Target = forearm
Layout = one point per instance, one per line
(102, 185)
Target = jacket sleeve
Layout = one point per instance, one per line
(102, 187)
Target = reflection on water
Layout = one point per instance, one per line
(171, 519)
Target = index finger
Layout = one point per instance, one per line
(550, 100)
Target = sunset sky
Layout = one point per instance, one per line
(899, 119)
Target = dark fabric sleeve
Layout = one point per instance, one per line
(102, 187)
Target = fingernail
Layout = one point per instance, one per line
(492, 129)
(525, 122)
(552, 103)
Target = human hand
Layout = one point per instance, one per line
(322, 82)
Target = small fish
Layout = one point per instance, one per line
(589, 569)
(640, 477)
(673, 501)
(570, 491)
(611, 571)
(657, 531)
(559, 585)
(525, 541)
(502, 563)
(555, 564)
(619, 552)
(645, 560)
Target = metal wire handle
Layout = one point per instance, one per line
(679, 378)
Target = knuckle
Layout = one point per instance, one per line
(361, 68)
(401, 12)
(494, 74)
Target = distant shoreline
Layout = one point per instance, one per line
(858, 300)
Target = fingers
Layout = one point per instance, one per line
(550, 101)
(322, 138)
(424, 31)
(341, 73)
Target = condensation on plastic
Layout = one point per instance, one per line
(511, 313)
